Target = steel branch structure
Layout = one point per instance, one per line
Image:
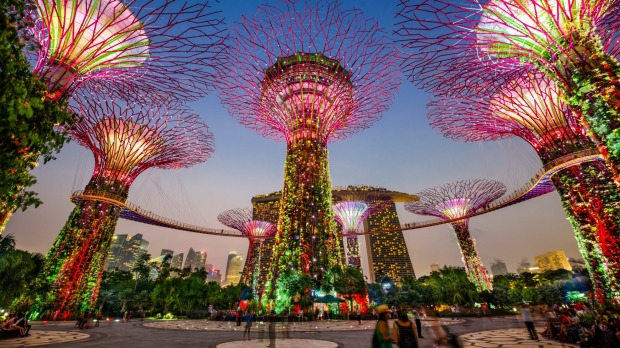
(458, 199)
(350, 211)
(573, 42)
(307, 73)
(128, 48)
(530, 108)
(125, 141)
(256, 231)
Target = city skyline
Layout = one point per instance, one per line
(400, 152)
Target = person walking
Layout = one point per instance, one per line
(526, 315)
(382, 337)
(418, 322)
(404, 333)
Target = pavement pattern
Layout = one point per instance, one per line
(508, 338)
(41, 337)
(473, 332)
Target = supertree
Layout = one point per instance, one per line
(256, 231)
(130, 48)
(307, 73)
(134, 49)
(125, 139)
(457, 200)
(350, 211)
(573, 42)
(530, 108)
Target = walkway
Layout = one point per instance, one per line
(474, 332)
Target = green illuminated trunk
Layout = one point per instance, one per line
(591, 201)
(590, 81)
(476, 272)
(75, 263)
(305, 238)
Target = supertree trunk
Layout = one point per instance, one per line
(590, 81)
(251, 262)
(473, 265)
(75, 263)
(5, 215)
(590, 199)
(353, 252)
(305, 239)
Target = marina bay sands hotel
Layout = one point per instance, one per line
(387, 253)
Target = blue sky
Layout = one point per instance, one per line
(400, 152)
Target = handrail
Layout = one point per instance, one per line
(540, 181)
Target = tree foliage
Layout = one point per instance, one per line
(28, 120)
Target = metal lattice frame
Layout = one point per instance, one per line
(350, 212)
(336, 54)
(455, 200)
(573, 42)
(531, 108)
(307, 73)
(256, 231)
(129, 48)
(125, 141)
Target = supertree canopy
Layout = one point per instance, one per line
(125, 141)
(530, 108)
(350, 211)
(131, 48)
(457, 200)
(307, 73)
(256, 231)
(573, 42)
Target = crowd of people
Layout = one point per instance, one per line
(581, 325)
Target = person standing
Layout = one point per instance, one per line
(526, 315)
(404, 333)
(247, 318)
(418, 322)
(382, 337)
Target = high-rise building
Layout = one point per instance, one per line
(167, 252)
(125, 250)
(435, 267)
(177, 261)
(195, 259)
(498, 267)
(387, 251)
(112, 261)
(214, 276)
(234, 266)
(552, 261)
(524, 266)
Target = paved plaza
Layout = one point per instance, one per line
(473, 332)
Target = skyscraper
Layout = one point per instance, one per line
(387, 251)
(524, 266)
(234, 266)
(214, 276)
(177, 261)
(195, 259)
(167, 252)
(552, 261)
(114, 253)
(498, 267)
(132, 248)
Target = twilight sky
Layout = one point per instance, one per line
(400, 152)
